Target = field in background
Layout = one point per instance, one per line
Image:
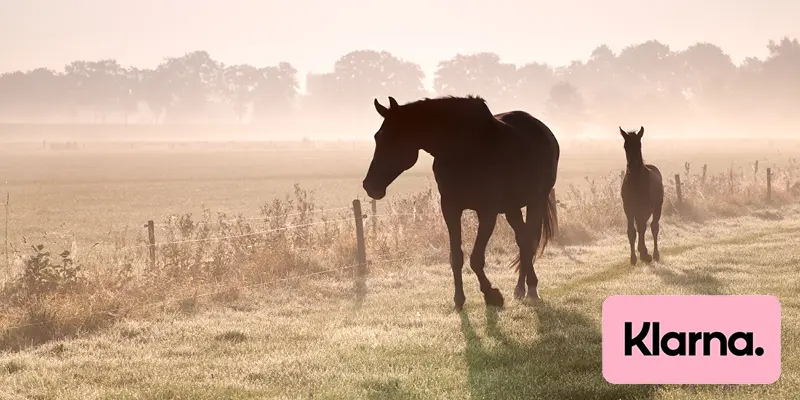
(59, 194)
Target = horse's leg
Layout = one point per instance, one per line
(641, 226)
(631, 236)
(535, 218)
(477, 260)
(654, 227)
(524, 242)
(452, 218)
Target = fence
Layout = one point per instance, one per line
(358, 218)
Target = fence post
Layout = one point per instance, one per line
(769, 185)
(151, 238)
(555, 211)
(705, 169)
(374, 218)
(362, 251)
(8, 200)
(678, 188)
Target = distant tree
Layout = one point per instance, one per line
(240, 85)
(275, 91)
(707, 73)
(99, 86)
(780, 70)
(567, 108)
(534, 80)
(362, 75)
(480, 74)
(193, 81)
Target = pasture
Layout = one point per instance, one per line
(312, 340)
(277, 316)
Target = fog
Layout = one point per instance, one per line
(235, 70)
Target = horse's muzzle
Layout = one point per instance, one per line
(373, 192)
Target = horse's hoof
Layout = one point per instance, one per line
(533, 295)
(519, 292)
(493, 298)
(656, 257)
(633, 260)
(647, 258)
(459, 304)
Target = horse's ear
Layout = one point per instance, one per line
(641, 133)
(622, 132)
(383, 111)
(392, 103)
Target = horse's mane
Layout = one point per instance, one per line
(467, 105)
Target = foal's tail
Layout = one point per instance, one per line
(549, 228)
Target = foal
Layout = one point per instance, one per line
(642, 195)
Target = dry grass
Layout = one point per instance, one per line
(402, 340)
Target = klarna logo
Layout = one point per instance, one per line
(672, 343)
(691, 339)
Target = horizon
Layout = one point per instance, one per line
(238, 32)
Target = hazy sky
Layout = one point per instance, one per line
(313, 34)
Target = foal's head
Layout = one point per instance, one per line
(633, 146)
(395, 151)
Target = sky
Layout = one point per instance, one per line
(313, 34)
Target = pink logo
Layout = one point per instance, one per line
(691, 339)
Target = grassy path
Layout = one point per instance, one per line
(404, 341)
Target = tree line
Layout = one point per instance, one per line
(647, 81)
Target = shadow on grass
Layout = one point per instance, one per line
(564, 362)
(696, 282)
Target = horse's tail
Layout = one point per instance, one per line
(549, 228)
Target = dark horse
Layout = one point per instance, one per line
(642, 195)
(491, 164)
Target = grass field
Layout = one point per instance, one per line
(311, 339)
(275, 316)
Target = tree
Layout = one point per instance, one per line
(706, 73)
(480, 74)
(193, 81)
(566, 107)
(99, 86)
(363, 75)
(533, 82)
(275, 91)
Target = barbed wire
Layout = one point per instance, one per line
(271, 217)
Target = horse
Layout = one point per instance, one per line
(642, 196)
(490, 164)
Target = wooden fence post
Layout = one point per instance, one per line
(678, 188)
(362, 251)
(361, 268)
(8, 200)
(151, 238)
(374, 219)
(703, 178)
(769, 185)
(555, 211)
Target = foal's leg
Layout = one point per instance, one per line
(524, 242)
(452, 218)
(654, 227)
(631, 237)
(641, 226)
(477, 260)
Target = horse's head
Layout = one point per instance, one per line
(395, 150)
(633, 145)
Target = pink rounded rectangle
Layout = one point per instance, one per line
(690, 330)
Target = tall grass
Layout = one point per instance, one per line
(212, 257)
